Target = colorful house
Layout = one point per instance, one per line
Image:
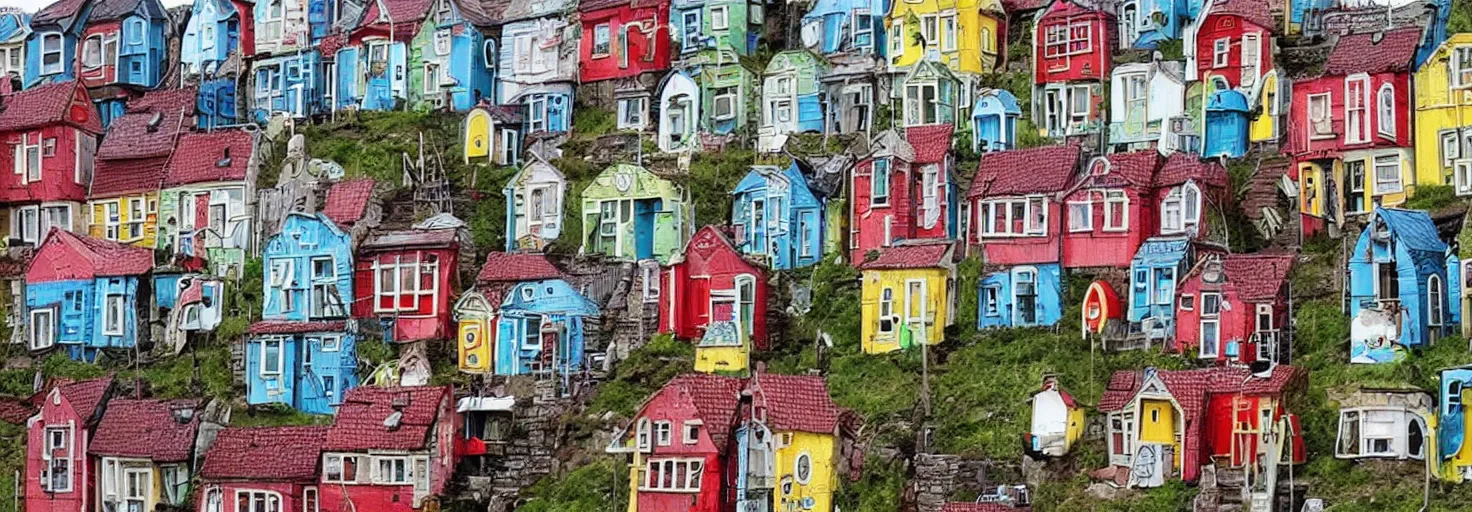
(679, 115)
(131, 163)
(930, 94)
(15, 28)
(1144, 98)
(87, 295)
(999, 193)
(51, 131)
(1172, 422)
(371, 66)
(904, 190)
(727, 89)
(1230, 45)
(476, 309)
(850, 85)
(727, 25)
(208, 198)
(283, 27)
(134, 475)
(540, 329)
(788, 445)
(907, 296)
(1147, 23)
(405, 280)
(778, 217)
(290, 84)
(263, 468)
(1443, 98)
(1386, 424)
(217, 32)
(494, 133)
(123, 44)
(1453, 451)
(1234, 309)
(451, 61)
(538, 64)
(1057, 421)
(790, 102)
(628, 42)
(1139, 195)
(534, 197)
(52, 47)
(965, 36)
(1228, 120)
(709, 284)
(1398, 286)
(846, 27)
(689, 468)
(391, 447)
(1071, 59)
(994, 121)
(630, 213)
(1154, 273)
(59, 471)
(302, 352)
(1020, 296)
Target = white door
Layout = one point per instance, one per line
(916, 311)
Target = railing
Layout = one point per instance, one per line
(1266, 342)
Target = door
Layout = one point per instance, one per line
(988, 132)
(398, 73)
(916, 310)
(758, 226)
(557, 113)
(347, 78)
(477, 134)
(1157, 422)
(1354, 194)
(644, 227)
(508, 340)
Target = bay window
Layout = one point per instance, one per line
(402, 280)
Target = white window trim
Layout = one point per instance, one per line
(399, 294)
(60, 65)
(1221, 52)
(1387, 187)
(280, 356)
(341, 458)
(1328, 100)
(694, 467)
(378, 478)
(1362, 135)
(1088, 219)
(687, 427)
(108, 310)
(1116, 196)
(1435, 301)
(725, 18)
(989, 209)
(1385, 115)
(35, 343)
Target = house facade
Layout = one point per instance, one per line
(1234, 309)
(1230, 45)
(534, 197)
(1398, 286)
(1020, 296)
(538, 65)
(686, 468)
(727, 91)
(145, 475)
(1071, 61)
(85, 295)
(1386, 424)
(998, 194)
(731, 25)
(630, 213)
(217, 31)
(994, 121)
(964, 35)
(1443, 116)
(790, 103)
(1144, 24)
(15, 28)
(51, 131)
(541, 329)
(907, 296)
(450, 60)
(289, 84)
(262, 468)
(389, 446)
(130, 166)
(778, 217)
(789, 446)
(122, 44)
(52, 47)
(628, 42)
(710, 284)
(59, 472)
(677, 129)
(207, 201)
(405, 279)
(1155, 271)
(904, 190)
(1057, 421)
(1144, 99)
(476, 309)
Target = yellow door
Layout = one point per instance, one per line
(475, 349)
(1157, 422)
(477, 134)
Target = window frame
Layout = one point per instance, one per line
(1385, 112)
(1357, 109)
(114, 309)
(1221, 52)
(1385, 186)
(1113, 196)
(60, 64)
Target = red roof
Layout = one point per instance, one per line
(931, 142)
(1192, 387)
(598, 5)
(347, 200)
(1018, 6)
(146, 429)
(265, 453)
(363, 420)
(86, 395)
(1257, 276)
(57, 10)
(165, 100)
(286, 327)
(14, 410)
(49, 105)
(1377, 52)
(130, 136)
(1180, 167)
(503, 267)
(112, 178)
(104, 258)
(399, 12)
(914, 255)
(201, 157)
(1136, 167)
(798, 403)
(1257, 12)
(980, 507)
(1049, 169)
(714, 397)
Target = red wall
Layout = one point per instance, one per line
(1019, 250)
(1093, 65)
(108, 72)
(246, 12)
(291, 493)
(432, 318)
(1100, 248)
(82, 496)
(867, 221)
(672, 405)
(1237, 323)
(58, 172)
(1231, 26)
(1302, 134)
(399, 498)
(715, 268)
(605, 68)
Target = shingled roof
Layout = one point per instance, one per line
(49, 105)
(410, 239)
(505, 267)
(715, 399)
(1025, 171)
(930, 142)
(1257, 12)
(202, 157)
(347, 200)
(15, 410)
(798, 403)
(364, 419)
(104, 258)
(112, 178)
(1257, 276)
(85, 396)
(915, 254)
(146, 429)
(290, 327)
(265, 453)
(1377, 52)
(136, 135)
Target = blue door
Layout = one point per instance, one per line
(644, 227)
(557, 112)
(347, 78)
(508, 341)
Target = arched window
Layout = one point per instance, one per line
(1434, 301)
(803, 468)
(642, 433)
(746, 302)
(1386, 111)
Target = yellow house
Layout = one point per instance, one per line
(799, 427)
(965, 35)
(1268, 94)
(907, 298)
(473, 338)
(1443, 116)
(1057, 420)
(131, 219)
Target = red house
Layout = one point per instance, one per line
(1233, 308)
(624, 38)
(389, 449)
(143, 452)
(406, 279)
(681, 437)
(50, 133)
(1349, 129)
(711, 281)
(1234, 41)
(1125, 198)
(1018, 217)
(263, 468)
(1071, 62)
(59, 474)
(1208, 415)
(904, 190)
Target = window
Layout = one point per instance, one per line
(113, 316)
(1116, 210)
(1056, 44)
(1080, 38)
(282, 283)
(690, 20)
(642, 433)
(1319, 119)
(1356, 113)
(1081, 215)
(138, 486)
(1025, 295)
(692, 432)
(746, 302)
(1015, 217)
(1220, 55)
(257, 501)
(602, 41)
(631, 113)
(342, 469)
(1251, 58)
(989, 300)
(663, 435)
(886, 311)
(948, 32)
(921, 104)
(92, 52)
(897, 39)
(802, 468)
(311, 501)
(56, 468)
(391, 470)
(1387, 282)
(51, 61)
(1385, 111)
(1211, 306)
(1387, 174)
(136, 217)
(1354, 173)
(326, 302)
(28, 157)
(679, 475)
(431, 78)
(930, 30)
(1181, 209)
(1165, 286)
(1461, 67)
(719, 19)
(1435, 301)
(403, 281)
(725, 103)
(1135, 92)
(273, 358)
(272, 21)
(863, 29)
(1080, 101)
(112, 221)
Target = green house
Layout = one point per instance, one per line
(728, 91)
(629, 213)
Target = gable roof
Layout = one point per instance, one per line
(266, 453)
(931, 142)
(347, 200)
(1049, 169)
(1136, 167)
(363, 420)
(15, 410)
(85, 396)
(57, 11)
(1257, 12)
(201, 158)
(112, 178)
(1192, 387)
(1413, 228)
(915, 254)
(101, 258)
(799, 403)
(399, 11)
(146, 429)
(1376, 52)
(505, 267)
(134, 135)
(111, 10)
(1257, 276)
(48, 105)
(715, 399)
(1180, 167)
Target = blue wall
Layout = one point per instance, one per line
(522, 312)
(1005, 312)
(467, 67)
(313, 375)
(279, 93)
(789, 209)
(1417, 254)
(79, 312)
(68, 49)
(1159, 265)
(302, 239)
(837, 27)
(994, 121)
(1226, 125)
(141, 49)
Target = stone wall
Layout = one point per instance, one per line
(939, 478)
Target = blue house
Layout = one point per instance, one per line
(1147, 23)
(994, 121)
(51, 48)
(777, 216)
(138, 29)
(1021, 296)
(1399, 291)
(845, 26)
(540, 328)
(85, 294)
(1159, 264)
(15, 27)
(291, 84)
(1451, 421)
(302, 353)
(538, 63)
(1227, 122)
(210, 39)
